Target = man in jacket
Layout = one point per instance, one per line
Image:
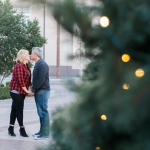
(41, 91)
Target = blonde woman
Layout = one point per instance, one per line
(20, 82)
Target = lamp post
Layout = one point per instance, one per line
(58, 52)
(44, 3)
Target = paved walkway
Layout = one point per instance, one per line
(59, 97)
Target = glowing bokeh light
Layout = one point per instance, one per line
(103, 117)
(97, 148)
(139, 73)
(104, 21)
(125, 58)
(126, 86)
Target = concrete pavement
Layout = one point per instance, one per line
(60, 96)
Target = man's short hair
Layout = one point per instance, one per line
(37, 51)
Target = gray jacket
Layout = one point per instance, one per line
(40, 77)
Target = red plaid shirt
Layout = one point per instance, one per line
(21, 78)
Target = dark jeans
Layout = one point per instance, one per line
(41, 101)
(17, 108)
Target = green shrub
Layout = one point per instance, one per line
(8, 83)
(4, 92)
(2, 85)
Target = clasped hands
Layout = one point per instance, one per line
(30, 92)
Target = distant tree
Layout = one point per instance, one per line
(15, 34)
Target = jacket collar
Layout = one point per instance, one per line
(21, 63)
(38, 62)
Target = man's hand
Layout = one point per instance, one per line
(30, 92)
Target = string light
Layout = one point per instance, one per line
(126, 86)
(139, 73)
(103, 117)
(104, 21)
(97, 148)
(125, 57)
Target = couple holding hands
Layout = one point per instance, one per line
(20, 86)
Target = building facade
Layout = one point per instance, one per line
(60, 44)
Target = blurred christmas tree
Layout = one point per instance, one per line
(15, 34)
(112, 110)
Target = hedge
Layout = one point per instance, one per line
(8, 83)
(4, 92)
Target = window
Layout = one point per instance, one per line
(23, 10)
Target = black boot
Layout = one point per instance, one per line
(11, 131)
(23, 132)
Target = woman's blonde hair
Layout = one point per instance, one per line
(21, 54)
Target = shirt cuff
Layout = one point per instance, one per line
(33, 90)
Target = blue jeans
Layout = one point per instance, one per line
(41, 101)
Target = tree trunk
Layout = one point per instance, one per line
(1, 79)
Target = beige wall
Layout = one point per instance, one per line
(36, 11)
(66, 40)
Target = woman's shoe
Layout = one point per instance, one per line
(23, 132)
(11, 131)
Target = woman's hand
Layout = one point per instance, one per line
(30, 92)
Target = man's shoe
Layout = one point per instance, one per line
(40, 137)
(36, 134)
